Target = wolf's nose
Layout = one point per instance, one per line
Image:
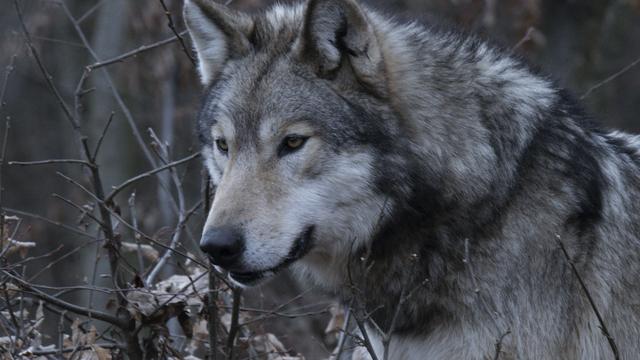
(223, 244)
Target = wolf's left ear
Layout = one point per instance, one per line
(218, 32)
(337, 30)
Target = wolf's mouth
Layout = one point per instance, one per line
(300, 248)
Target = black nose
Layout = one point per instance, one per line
(223, 244)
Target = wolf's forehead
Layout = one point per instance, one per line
(261, 96)
(277, 28)
(265, 88)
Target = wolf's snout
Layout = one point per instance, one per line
(224, 245)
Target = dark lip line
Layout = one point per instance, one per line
(300, 248)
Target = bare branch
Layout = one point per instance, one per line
(115, 93)
(80, 208)
(101, 138)
(61, 258)
(65, 305)
(134, 52)
(234, 327)
(213, 320)
(365, 336)
(49, 161)
(81, 187)
(176, 33)
(50, 221)
(43, 70)
(119, 188)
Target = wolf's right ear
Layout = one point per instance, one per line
(218, 33)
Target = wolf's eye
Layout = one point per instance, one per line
(222, 145)
(292, 143)
(295, 142)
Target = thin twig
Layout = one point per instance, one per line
(181, 214)
(102, 136)
(81, 187)
(134, 222)
(154, 241)
(49, 161)
(49, 265)
(134, 52)
(610, 78)
(43, 70)
(386, 337)
(233, 328)
(114, 91)
(82, 210)
(50, 221)
(525, 38)
(5, 140)
(365, 337)
(212, 312)
(65, 305)
(7, 72)
(603, 327)
(176, 33)
(88, 13)
(119, 188)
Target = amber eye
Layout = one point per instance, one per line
(222, 145)
(294, 142)
(291, 144)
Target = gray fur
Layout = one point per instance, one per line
(435, 165)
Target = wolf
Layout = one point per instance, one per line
(463, 204)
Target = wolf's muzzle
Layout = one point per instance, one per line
(301, 247)
(224, 245)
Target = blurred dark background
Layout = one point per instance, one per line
(578, 43)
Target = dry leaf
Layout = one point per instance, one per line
(269, 345)
(147, 251)
(101, 353)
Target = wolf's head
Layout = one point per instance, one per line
(296, 131)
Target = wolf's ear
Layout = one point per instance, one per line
(218, 32)
(335, 29)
